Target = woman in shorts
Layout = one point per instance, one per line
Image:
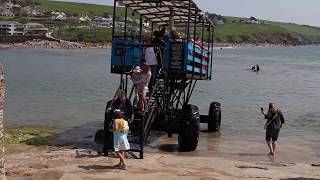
(273, 125)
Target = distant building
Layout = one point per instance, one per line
(58, 15)
(85, 18)
(35, 29)
(9, 28)
(250, 21)
(10, 5)
(101, 22)
(29, 11)
(4, 11)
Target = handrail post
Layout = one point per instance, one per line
(125, 22)
(212, 39)
(114, 18)
(189, 19)
(142, 137)
(194, 42)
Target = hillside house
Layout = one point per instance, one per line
(29, 11)
(249, 21)
(58, 15)
(101, 22)
(35, 29)
(11, 28)
(4, 11)
(85, 18)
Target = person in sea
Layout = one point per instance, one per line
(273, 125)
(120, 129)
(258, 68)
(253, 68)
(142, 80)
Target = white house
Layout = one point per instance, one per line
(85, 18)
(101, 22)
(58, 15)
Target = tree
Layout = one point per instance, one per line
(81, 36)
(106, 15)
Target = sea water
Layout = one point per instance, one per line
(68, 88)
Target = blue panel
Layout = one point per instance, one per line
(197, 60)
(126, 53)
(197, 70)
(198, 50)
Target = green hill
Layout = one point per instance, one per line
(72, 8)
(231, 31)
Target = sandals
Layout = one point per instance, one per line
(124, 167)
(117, 166)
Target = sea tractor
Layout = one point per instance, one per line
(184, 61)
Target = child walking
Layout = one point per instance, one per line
(120, 140)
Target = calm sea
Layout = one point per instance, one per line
(68, 88)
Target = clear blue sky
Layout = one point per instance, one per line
(295, 11)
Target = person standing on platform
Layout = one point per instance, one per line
(152, 61)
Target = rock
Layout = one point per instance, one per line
(251, 167)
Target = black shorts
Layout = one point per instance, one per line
(272, 134)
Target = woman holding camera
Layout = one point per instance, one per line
(273, 125)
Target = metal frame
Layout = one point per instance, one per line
(169, 94)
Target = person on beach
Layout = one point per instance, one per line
(258, 68)
(273, 125)
(120, 129)
(124, 104)
(142, 80)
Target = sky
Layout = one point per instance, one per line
(292, 11)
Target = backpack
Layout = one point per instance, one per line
(123, 125)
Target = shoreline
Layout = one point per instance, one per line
(36, 44)
(63, 158)
(43, 44)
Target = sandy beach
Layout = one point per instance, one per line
(69, 159)
(64, 164)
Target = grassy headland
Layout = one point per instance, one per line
(233, 31)
(78, 9)
(99, 35)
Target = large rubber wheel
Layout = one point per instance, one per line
(190, 127)
(214, 117)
